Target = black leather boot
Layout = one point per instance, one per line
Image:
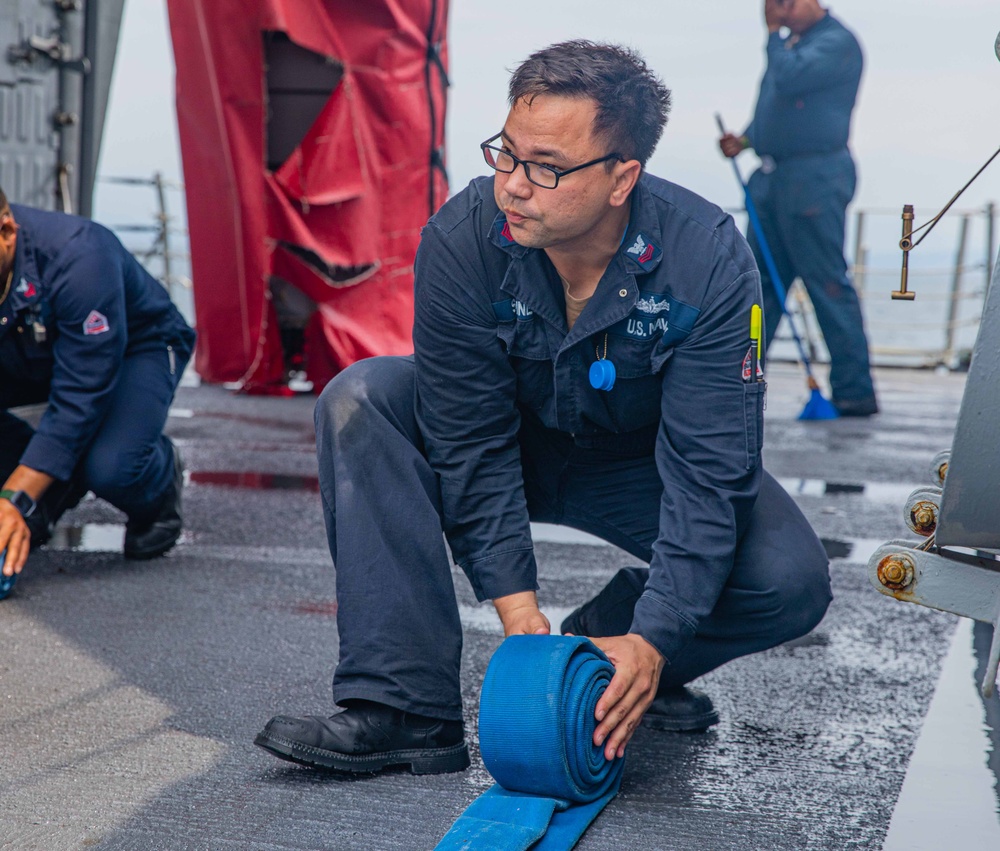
(681, 710)
(610, 612)
(367, 737)
(150, 537)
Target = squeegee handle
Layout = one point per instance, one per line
(765, 250)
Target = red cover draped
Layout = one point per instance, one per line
(340, 217)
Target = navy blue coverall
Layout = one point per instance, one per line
(88, 330)
(494, 423)
(800, 130)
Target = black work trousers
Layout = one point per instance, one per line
(398, 620)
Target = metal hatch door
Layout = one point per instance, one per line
(56, 62)
(29, 101)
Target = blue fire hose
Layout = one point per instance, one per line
(536, 729)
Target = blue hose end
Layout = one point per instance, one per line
(6, 582)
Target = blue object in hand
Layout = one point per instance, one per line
(602, 375)
(6, 582)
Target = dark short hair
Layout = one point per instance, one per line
(4, 205)
(632, 102)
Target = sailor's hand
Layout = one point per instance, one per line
(520, 614)
(15, 538)
(774, 15)
(637, 674)
(731, 145)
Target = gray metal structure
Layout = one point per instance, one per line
(56, 62)
(957, 568)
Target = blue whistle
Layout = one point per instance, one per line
(602, 375)
(6, 582)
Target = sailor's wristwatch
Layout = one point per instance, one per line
(20, 500)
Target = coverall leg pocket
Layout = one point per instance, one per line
(753, 412)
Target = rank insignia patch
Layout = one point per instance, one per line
(642, 250)
(503, 229)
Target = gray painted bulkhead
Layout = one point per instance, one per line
(56, 62)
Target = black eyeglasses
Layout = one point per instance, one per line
(541, 175)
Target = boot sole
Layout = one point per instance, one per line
(420, 760)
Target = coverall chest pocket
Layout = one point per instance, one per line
(524, 338)
(632, 358)
(526, 347)
(35, 354)
(753, 412)
(635, 399)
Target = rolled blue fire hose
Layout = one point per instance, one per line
(536, 729)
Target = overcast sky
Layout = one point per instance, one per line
(928, 113)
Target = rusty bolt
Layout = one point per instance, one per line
(942, 471)
(923, 517)
(895, 571)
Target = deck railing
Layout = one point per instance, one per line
(949, 274)
(160, 245)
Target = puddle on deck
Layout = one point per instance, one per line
(255, 481)
(88, 537)
(880, 492)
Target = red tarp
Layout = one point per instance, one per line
(351, 197)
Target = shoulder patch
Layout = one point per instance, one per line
(95, 323)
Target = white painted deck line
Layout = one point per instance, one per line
(948, 791)
(483, 618)
(550, 533)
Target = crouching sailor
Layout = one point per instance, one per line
(85, 329)
(580, 337)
